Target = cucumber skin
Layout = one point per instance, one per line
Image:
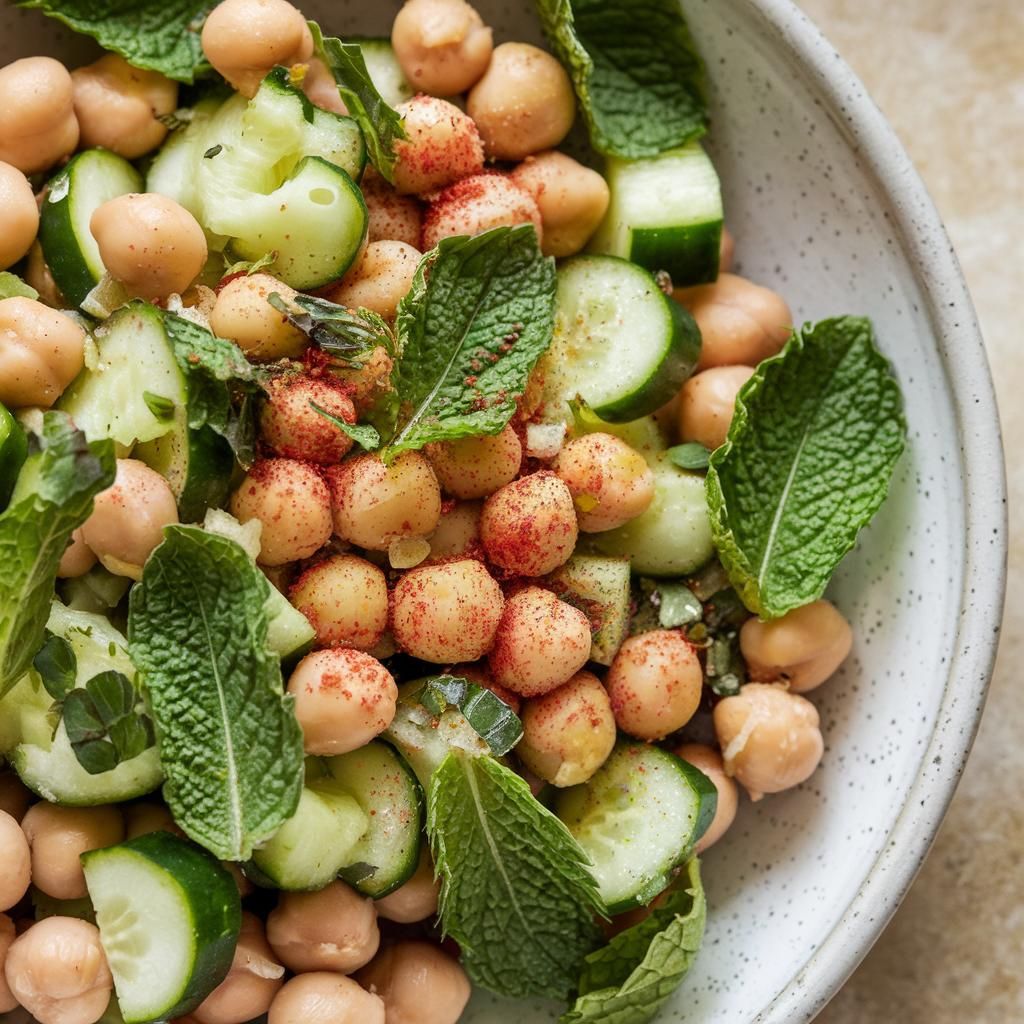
(13, 451)
(688, 253)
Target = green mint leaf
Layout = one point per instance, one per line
(112, 695)
(230, 745)
(678, 606)
(691, 455)
(490, 717)
(95, 756)
(52, 498)
(637, 73)
(813, 444)
(380, 124)
(363, 434)
(479, 315)
(131, 735)
(509, 871)
(631, 978)
(162, 408)
(57, 666)
(12, 286)
(81, 718)
(162, 35)
(337, 330)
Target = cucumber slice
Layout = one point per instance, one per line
(86, 183)
(637, 819)
(618, 342)
(385, 71)
(289, 634)
(13, 449)
(600, 588)
(169, 917)
(665, 214)
(97, 591)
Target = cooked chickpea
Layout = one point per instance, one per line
(523, 104)
(38, 127)
(58, 835)
(443, 46)
(541, 643)
(655, 684)
(19, 215)
(610, 482)
(149, 243)
(458, 532)
(7, 936)
(707, 402)
(38, 275)
(391, 217)
(419, 983)
(416, 900)
(57, 970)
(529, 526)
(334, 929)
(376, 504)
(118, 106)
(380, 280)
(343, 699)
(345, 599)
(321, 87)
(325, 998)
(726, 251)
(78, 557)
(295, 430)
(129, 517)
(569, 732)
(709, 761)
(367, 382)
(144, 817)
(244, 314)
(245, 39)
(802, 648)
(15, 861)
(473, 467)
(442, 145)
(740, 322)
(477, 204)
(41, 353)
(770, 738)
(292, 502)
(480, 674)
(14, 796)
(253, 980)
(572, 200)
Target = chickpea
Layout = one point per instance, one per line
(572, 200)
(480, 674)
(38, 127)
(325, 998)
(376, 504)
(449, 612)
(390, 215)
(770, 738)
(14, 796)
(343, 699)
(709, 761)
(443, 46)
(740, 322)
(15, 862)
(569, 732)
(245, 39)
(419, 984)
(57, 970)
(473, 467)
(416, 900)
(442, 145)
(78, 557)
(345, 599)
(41, 353)
(142, 818)
(529, 526)
(477, 204)
(295, 430)
(58, 835)
(118, 106)
(458, 532)
(380, 280)
(7, 935)
(129, 517)
(38, 275)
(802, 648)
(334, 929)
(655, 684)
(292, 502)
(19, 215)
(707, 402)
(149, 243)
(253, 980)
(369, 381)
(726, 251)
(610, 482)
(244, 314)
(321, 88)
(541, 643)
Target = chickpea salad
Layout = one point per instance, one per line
(413, 535)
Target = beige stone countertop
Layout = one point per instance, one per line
(949, 75)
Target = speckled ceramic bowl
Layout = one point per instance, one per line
(827, 209)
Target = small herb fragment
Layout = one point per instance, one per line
(161, 408)
(348, 336)
(362, 433)
(691, 456)
(57, 666)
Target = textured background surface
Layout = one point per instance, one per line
(950, 78)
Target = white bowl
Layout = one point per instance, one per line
(827, 209)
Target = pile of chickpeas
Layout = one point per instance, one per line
(442, 554)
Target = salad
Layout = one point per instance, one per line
(413, 536)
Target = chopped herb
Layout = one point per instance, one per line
(689, 456)
(363, 434)
(57, 666)
(677, 605)
(212, 151)
(162, 408)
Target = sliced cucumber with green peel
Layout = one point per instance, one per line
(86, 183)
(619, 342)
(385, 71)
(637, 820)
(665, 214)
(13, 449)
(599, 587)
(169, 917)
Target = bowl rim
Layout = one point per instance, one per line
(961, 350)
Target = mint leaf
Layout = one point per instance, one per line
(230, 745)
(52, 498)
(489, 716)
(516, 893)
(162, 35)
(691, 455)
(380, 124)
(630, 979)
(57, 666)
(339, 331)
(814, 440)
(479, 315)
(638, 76)
(161, 408)
(363, 434)
(12, 286)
